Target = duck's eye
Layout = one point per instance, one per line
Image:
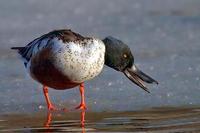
(125, 55)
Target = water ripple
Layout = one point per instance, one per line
(152, 120)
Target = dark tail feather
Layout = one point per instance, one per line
(17, 48)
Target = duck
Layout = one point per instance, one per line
(63, 59)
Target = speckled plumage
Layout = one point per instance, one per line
(63, 59)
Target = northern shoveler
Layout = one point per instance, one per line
(63, 59)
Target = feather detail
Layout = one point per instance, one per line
(39, 43)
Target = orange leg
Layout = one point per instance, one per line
(49, 104)
(82, 104)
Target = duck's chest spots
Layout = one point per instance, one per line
(80, 61)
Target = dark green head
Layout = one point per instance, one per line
(119, 57)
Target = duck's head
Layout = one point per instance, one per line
(119, 57)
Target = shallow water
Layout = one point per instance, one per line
(156, 120)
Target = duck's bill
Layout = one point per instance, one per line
(138, 77)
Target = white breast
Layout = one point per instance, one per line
(81, 60)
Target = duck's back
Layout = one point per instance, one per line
(63, 59)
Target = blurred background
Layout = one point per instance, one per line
(163, 35)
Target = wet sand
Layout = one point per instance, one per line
(156, 120)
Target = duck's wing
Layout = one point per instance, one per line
(42, 42)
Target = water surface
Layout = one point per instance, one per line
(157, 120)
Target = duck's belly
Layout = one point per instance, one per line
(63, 66)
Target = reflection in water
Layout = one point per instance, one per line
(49, 119)
(83, 118)
(156, 120)
(48, 123)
